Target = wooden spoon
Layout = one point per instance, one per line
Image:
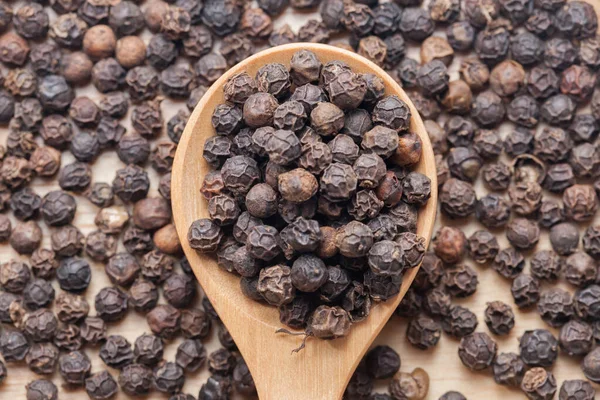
(322, 370)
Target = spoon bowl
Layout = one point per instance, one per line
(322, 370)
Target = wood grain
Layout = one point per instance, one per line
(323, 369)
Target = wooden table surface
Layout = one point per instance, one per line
(442, 362)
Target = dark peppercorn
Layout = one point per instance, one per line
(457, 198)
(101, 385)
(93, 330)
(576, 338)
(522, 233)
(508, 369)
(135, 379)
(382, 362)
(116, 352)
(525, 291)
(164, 321)
(499, 318)
(576, 389)
(459, 322)
(580, 202)
(423, 332)
(111, 304)
(477, 351)
(74, 367)
(460, 280)
(580, 269)
(148, 350)
(546, 265)
(41, 389)
(539, 348)
(108, 75)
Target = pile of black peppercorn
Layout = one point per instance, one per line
(534, 68)
(312, 200)
(533, 63)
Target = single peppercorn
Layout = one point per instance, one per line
(539, 384)
(508, 369)
(499, 318)
(477, 351)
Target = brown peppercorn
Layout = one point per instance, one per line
(13, 49)
(45, 161)
(116, 352)
(475, 73)
(275, 285)
(436, 48)
(297, 185)
(578, 82)
(76, 67)
(15, 172)
(576, 338)
(450, 244)
(148, 350)
(508, 369)
(14, 276)
(93, 330)
(70, 308)
(5, 228)
(67, 241)
(167, 240)
(74, 367)
(590, 365)
(373, 48)
(130, 51)
(580, 269)
(26, 237)
(151, 213)
(100, 246)
(204, 235)
(580, 202)
(507, 78)
(112, 220)
(99, 42)
(101, 385)
(458, 97)
(525, 197)
(239, 88)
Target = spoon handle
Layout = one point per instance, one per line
(320, 371)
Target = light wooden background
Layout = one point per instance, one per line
(442, 362)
